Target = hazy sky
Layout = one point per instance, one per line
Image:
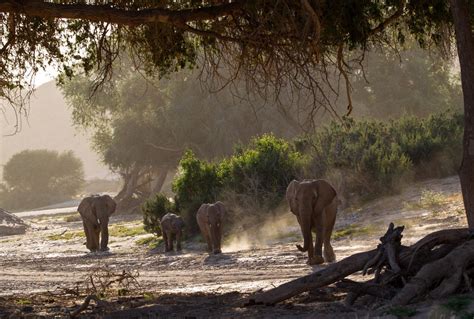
(48, 126)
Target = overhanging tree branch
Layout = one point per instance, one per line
(122, 16)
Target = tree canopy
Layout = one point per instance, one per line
(254, 40)
(35, 178)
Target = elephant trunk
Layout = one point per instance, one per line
(104, 233)
(305, 224)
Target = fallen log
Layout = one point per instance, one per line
(437, 244)
(326, 276)
(357, 289)
(448, 271)
(430, 241)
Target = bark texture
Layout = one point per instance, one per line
(465, 45)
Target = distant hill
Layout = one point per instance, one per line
(49, 126)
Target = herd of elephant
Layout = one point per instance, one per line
(313, 202)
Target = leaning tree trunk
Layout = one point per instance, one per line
(464, 41)
(159, 181)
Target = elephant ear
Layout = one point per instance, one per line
(202, 213)
(221, 208)
(291, 195)
(324, 192)
(110, 203)
(85, 209)
(84, 206)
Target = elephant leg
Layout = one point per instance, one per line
(170, 240)
(87, 232)
(208, 241)
(305, 225)
(92, 235)
(104, 233)
(178, 241)
(165, 239)
(95, 237)
(330, 213)
(318, 243)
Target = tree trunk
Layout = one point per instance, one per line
(157, 183)
(124, 197)
(465, 46)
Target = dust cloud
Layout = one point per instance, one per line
(280, 226)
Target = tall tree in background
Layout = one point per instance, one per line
(35, 178)
(409, 82)
(141, 127)
(287, 45)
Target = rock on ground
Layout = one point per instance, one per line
(10, 224)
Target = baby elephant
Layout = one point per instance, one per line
(172, 228)
(209, 218)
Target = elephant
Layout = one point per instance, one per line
(95, 212)
(314, 203)
(172, 228)
(209, 218)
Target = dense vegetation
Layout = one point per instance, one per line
(153, 210)
(35, 178)
(371, 157)
(362, 159)
(254, 176)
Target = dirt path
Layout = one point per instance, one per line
(41, 260)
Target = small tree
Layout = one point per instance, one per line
(34, 178)
(153, 210)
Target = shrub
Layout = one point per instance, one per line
(153, 210)
(263, 170)
(197, 182)
(259, 172)
(35, 178)
(376, 156)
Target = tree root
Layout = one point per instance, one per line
(357, 289)
(85, 304)
(387, 252)
(437, 265)
(449, 271)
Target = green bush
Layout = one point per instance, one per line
(197, 182)
(36, 178)
(153, 210)
(376, 156)
(261, 171)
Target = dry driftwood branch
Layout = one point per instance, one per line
(387, 251)
(431, 248)
(326, 276)
(448, 270)
(357, 289)
(427, 250)
(85, 304)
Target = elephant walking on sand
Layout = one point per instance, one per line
(314, 203)
(172, 229)
(95, 212)
(209, 218)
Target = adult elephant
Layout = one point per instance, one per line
(172, 229)
(314, 203)
(209, 218)
(95, 212)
